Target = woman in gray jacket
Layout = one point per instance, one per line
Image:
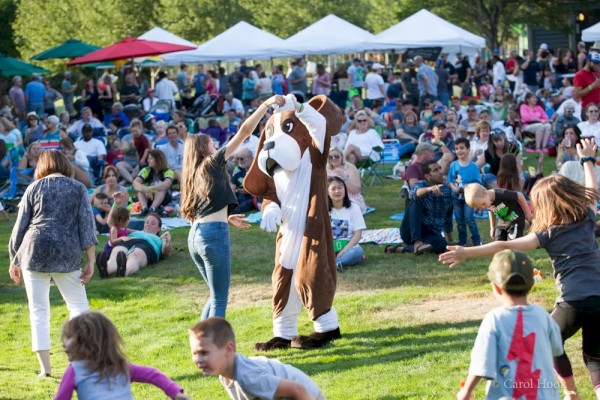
(54, 226)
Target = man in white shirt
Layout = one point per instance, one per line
(375, 85)
(165, 89)
(173, 151)
(86, 119)
(94, 149)
(232, 103)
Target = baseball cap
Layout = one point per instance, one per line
(438, 108)
(511, 270)
(148, 117)
(421, 147)
(594, 57)
(544, 46)
(32, 114)
(377, 66)
(86, 127)
(595, 46)
(439, 124)
(410, 62)
(237, 65)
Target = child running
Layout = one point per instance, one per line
(99, 368)
(564, 226)
(212, 342)
(502, 346)
(509, 207)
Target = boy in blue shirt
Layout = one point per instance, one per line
(462, 172)
(212, 342)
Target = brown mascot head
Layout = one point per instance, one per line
(285, 141)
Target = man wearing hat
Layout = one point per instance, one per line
(586, 84)
(444, 154)
(67, 90)
(414, 172)
(427, 215)
(515, 334)
(374, 85)
(35, 92)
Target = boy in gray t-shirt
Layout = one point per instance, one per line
(518, 341)
(212, 342)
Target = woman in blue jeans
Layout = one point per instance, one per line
(347, 224)
(207, 200)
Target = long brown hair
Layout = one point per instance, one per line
(51, 162)
(196, 181)
(508, 173)
(558, 200)
(97, 342)
(160, 160)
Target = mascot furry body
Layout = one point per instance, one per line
(289, 173)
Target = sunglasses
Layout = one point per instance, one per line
(360, 121)
(240, 158)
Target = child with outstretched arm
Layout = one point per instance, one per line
(564, 225)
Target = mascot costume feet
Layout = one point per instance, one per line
(289, 173)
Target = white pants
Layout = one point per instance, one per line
(286, 325)
(37, 286)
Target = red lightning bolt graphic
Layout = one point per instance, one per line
(521, 348)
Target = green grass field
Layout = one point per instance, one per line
(408, 322)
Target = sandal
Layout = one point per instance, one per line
(393, 248)
(422, 248)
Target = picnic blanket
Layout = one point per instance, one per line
(483, 215)
(381, 236)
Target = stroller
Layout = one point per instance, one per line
(162, 110)
(203, 106)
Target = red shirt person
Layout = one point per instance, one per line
(586, 85)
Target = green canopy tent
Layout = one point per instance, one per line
(11, 66)
(72, 48)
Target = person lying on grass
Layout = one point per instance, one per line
(563, 225)
(212, 343)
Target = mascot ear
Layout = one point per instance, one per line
(257, 182)
(332, 113)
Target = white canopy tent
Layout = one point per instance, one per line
(591, 34)
(329, 35)
(240, 41)
(160, 35)
(425, 29)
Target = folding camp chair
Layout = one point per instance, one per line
(367, 167)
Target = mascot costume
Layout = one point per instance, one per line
(289, 173)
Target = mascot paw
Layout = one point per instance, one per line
(273, 344)
(315, 339)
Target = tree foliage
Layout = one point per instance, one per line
(40, 25)
(8, 9)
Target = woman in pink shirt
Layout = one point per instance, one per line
(535, 121)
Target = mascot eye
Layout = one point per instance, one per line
(288, 126)
(269, 131)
